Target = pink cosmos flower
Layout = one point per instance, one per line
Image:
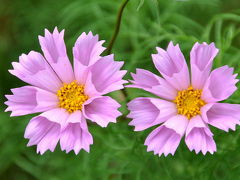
(66, 97)
(187, 106)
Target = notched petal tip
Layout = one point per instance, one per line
(91, 34)
(7, 109)
(220, 85)
(46, 32)
(55, 31)
(200, 139)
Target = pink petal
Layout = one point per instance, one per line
(178, 123)
(222, 115)
(220, 85)
(195, 122)
(199, 137)
(106, 75)
(54, 49)
(86, 52)
(43, 133)
(101, 110)
(148, 112)
(90, 89)
(201, 56)
(87, 49)
(76, 137)
(75, 117)
(34, 69)
(150, 82)
(166, 138)
(57, 115)
(29, 99)
(172, 65)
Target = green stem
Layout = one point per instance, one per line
(117, 27)
(115, 34)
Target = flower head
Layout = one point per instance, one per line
(66, 96)
(186, 106)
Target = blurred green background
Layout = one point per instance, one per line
(117, 152)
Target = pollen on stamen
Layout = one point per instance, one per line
(71, 96)
(189, 102)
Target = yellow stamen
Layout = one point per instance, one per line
(71, 96)
(189, 102)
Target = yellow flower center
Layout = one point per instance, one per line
(189, 102)
(71, 96)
